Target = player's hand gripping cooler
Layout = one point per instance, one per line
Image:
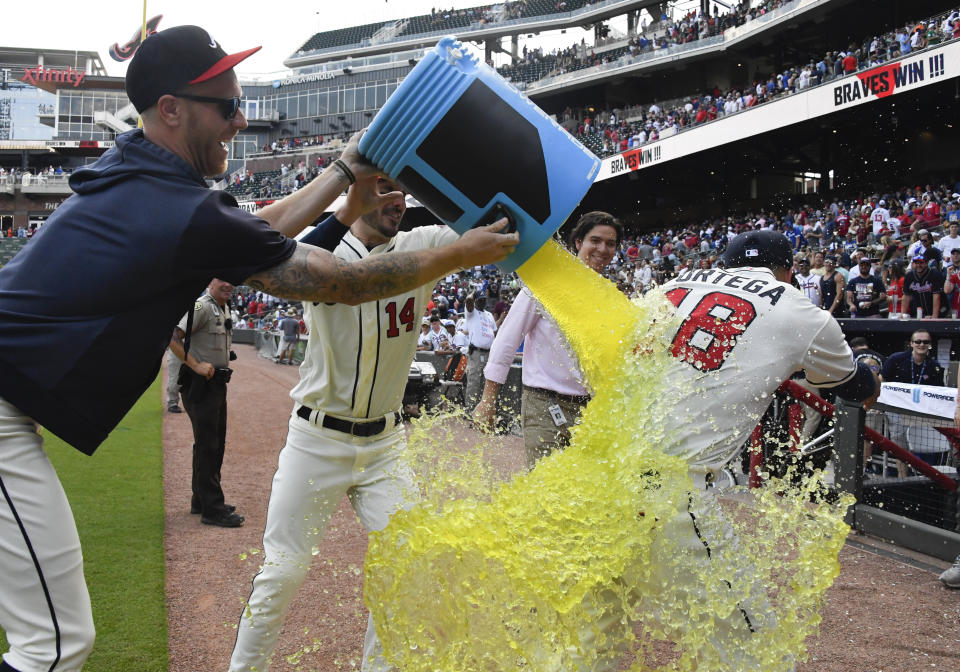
(467, 145)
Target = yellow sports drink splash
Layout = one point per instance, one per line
(573, 566)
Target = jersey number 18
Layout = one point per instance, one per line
(708, 334)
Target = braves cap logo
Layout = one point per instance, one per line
(213, 42)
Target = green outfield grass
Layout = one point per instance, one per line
(117, 500)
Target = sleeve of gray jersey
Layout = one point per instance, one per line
(829, 361)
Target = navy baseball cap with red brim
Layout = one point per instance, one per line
(173, 59)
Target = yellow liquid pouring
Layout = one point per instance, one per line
(554, 569)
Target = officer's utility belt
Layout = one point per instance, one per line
(354, 428)
(474, 348)
(188, 376)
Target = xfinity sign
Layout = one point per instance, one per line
(42, 74)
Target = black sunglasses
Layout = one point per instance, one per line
(228, 106)
(922, 342)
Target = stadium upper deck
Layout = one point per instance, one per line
(787, 34)
(474, 24)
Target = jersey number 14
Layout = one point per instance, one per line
(404, 317)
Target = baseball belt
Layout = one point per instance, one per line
(369, 428)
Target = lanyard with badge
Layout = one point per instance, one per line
(913, 372)
(559, 419)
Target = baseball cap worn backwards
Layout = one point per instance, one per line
(174, 58)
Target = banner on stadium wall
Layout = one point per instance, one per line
(927, 399)
(932, 66)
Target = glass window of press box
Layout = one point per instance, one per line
(26, 113)
(311, 103)
(76, 111)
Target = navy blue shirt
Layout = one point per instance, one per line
(900, 368)
(88, 307)
(865, 289)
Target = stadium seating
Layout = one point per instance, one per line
(341, 37)
(255, 185)
(452, 20)
(544, 7)
(9, 248)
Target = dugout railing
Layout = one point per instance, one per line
(911, 503)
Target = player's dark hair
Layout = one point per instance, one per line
(859, 342)
(586, 223)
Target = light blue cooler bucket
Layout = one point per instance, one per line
(463, 141)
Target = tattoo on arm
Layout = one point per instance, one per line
(312, 274)
(284, 277)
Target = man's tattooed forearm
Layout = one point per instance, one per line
(289, 279)
(378, 277)
(326, 278)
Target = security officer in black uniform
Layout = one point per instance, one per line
(204, 380)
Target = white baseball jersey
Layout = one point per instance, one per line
(810, 286)
(879, 219)
(358, 358)
(743, 334)
(947, 245)
(480, 326)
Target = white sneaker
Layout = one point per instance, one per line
(951, 577)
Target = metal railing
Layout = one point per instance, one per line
(918, 511)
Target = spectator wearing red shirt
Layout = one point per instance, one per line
(952, 285)
(860, 230)
(894, 285)
(849, 63)
(843, 223)
(931, 212)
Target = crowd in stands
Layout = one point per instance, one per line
(904, 238)
(21, 232)
(908, 239)
(611, 132)
(249, 185)
(452, 19)
(27, 176)
(281, 145)
(662, 34)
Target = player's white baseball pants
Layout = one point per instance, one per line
(701, 535)
(44, 604)
(317, 466)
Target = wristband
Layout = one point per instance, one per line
(351, 178)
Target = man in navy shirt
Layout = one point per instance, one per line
(922, 288)
(88, 306)
(865, 293)
(914, 366)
